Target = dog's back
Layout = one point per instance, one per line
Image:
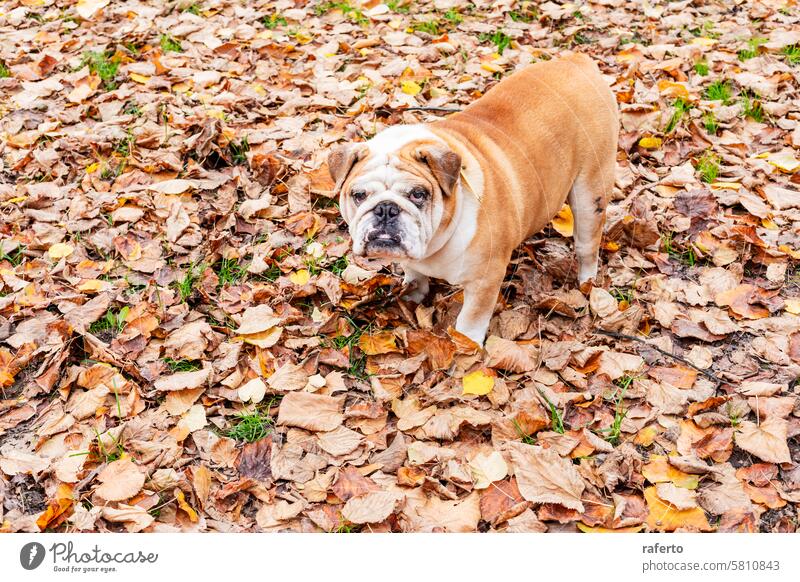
(539, 131)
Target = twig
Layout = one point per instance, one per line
(616, 335)
(449, 109)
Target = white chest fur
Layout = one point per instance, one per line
(450, 262)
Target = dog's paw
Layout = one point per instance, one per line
(415, 295)
(415, 287)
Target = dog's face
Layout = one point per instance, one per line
(395, 194)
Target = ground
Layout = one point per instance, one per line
(187, 344)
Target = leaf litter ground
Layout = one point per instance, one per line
(186, 343)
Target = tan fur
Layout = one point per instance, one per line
(545, 134)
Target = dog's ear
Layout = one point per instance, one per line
(341, 160)
(445, 165)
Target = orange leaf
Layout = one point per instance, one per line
(58, 509)
(564, 222)
(664, 517)
(678, 376)
(382, 342)
(658, 470)
(739, 301)
(185, 506)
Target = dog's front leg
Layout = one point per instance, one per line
(418, 281)
(480, 297)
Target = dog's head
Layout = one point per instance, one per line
(396, 191)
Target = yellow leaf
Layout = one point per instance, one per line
(665, 517)
(300, 277)
(182, 87)
(726, 186)
(792, 305)
(91, 286)
(139, 78)
(382, 342)
(480, 382)
(86, 9)
(259, 89)
(410, 87)
(789, 251)
(784, 161)
(586, 529)
(703, 41)
(303, 37)
(670, 89)
(563, 222)
(60, 250)
(15, 200)
(650, 143)
(185, 506)
(646, 436)
(769, 224)
(92, 168)
(492, 67)
(628, 55)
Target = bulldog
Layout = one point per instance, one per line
(452, 199)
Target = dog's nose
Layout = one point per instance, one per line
(386, 210)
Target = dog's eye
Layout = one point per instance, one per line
(358, 196)
(418, 194)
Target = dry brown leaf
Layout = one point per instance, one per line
(487, 469)
(678, 497)
(766, 440)
(545, 477)
(371, 508)
(456, 516)
(184, 380)
(311, 411)
(120, 480)
(507, 355)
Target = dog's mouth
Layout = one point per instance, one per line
(383, 243)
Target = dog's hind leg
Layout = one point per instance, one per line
(588, 199)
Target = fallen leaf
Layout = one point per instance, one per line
(253, 391)
(508, 355)
(658, 470)
(120, 480)
(486, 469)
(480, 382)
(373, 507)
(545, 477)
(314, 412)
(563, 222)
(678, 497)
(183, 380)
(766, 440)
(60, 250)
(378, 343)
(663, 516)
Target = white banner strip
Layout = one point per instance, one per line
(407, 557)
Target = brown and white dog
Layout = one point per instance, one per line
(452, 199)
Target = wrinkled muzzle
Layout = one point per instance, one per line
(388, 226)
